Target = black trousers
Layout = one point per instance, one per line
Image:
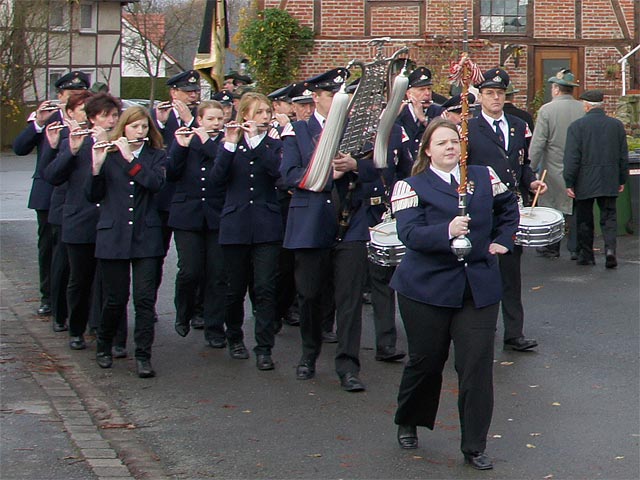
(82, 268)
(512, 309)
(317, 269)
(59, 276)
(116, 279)
(200, 262)
(608, 224)
(383, 300)
(97, 302)
(45, 248)
(430, 330)
(262, 258)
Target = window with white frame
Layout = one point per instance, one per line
(504, 16)
(88, 17)
(59, 16)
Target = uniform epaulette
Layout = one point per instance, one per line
(496, 184)
(403, 197)
(288, 131)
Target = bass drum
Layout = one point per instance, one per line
(384, 248)
(539, 227)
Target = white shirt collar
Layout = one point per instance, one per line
(490, 120)
(321, 120)
(446, 176)
(136, 153)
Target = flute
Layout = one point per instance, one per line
(192, 132)
(51, 107)
(60, 127)
(167, 105)
(228, 125)
(113, 144)
(79, 133)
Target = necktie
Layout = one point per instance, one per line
(496, 124)
(454, 183)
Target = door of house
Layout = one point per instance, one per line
(549, 60)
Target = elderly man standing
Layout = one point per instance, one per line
(596, 166)
(547, 150)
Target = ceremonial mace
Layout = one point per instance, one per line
(463, 73)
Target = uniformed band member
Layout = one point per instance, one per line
(129, 238)
(75, 115)
(225, 98)
(40, 197)
(282, 109)
(377, 204)
(250, 224)
(312, 231)
(499, 140)
(184, 90)
(443, 299)
(72, 165)
(419, 109)
(195, 219)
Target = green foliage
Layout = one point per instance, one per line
(633, 143)
(536, 103)
(140, 87)
(273, 42)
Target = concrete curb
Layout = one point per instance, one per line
(105, 438)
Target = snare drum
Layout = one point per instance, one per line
(539, 227)
(384, 248)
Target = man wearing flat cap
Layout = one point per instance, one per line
(499, 140)
(233, 80)
(324, 263)
(596, 166)
(33, 136)
(415, 115)
(546, 151)
(225, 97)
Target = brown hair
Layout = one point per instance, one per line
(133, 114)
(247, 102)
(423, 160)
(99, 103)
(77, 99)
(206, 105)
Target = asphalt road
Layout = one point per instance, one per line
(569, 410)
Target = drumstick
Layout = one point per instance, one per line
(377, 230)
(535, 199)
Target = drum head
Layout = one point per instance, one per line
(539, 216)
(384, 234)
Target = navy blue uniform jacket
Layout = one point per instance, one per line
(430, 272)
(313, 220)
(415, 130)
(399, 164)
(79, 216)
(59, 191)
(163, 198)
(512, 165)
(251, 212)
(129, 224)
(197, 201)
(25, 142)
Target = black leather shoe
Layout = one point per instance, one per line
(520, 344)
(351, 383)
(479, 461)
(329, 337)
(585, 261)
(389, 354)
(574, 255)
(59, 327)
(44, 310)
(548, 252)
(305, 371)
(292, 318)
(264, 362)
(144, 368)
(610, 259)
(119, 352)
(408, 437)
(77, 343)
(217, 343)
(104, 360)
(182, 329)
(197, 322)
(238, 351)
